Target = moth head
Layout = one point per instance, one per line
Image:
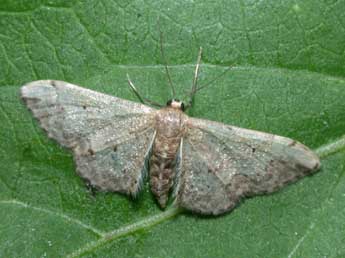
(175, 103)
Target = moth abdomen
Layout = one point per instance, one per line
(161, 181)
(161, 176)
(169, 131)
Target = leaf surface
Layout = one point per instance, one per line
(287, 78)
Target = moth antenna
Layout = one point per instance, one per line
(196, 72)
(195, 80)
(214, 79)
(142, 99)
(165, 61)
(134, 89)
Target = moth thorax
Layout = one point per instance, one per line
(176, 103)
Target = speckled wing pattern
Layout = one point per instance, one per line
(221, 164)
(110, 137)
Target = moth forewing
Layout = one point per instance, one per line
(109, 137)
(222, 164)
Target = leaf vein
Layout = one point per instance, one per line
(331, 148)
(127, 230)
(301, 240)
(67, 218)
(89, 34)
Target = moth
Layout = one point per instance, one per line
(207, 167)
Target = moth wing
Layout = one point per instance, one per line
(221, 164)
(110, 137)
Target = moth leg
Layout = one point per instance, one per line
(178, 171)
(142, 99)
(146, 167)
(195, 87)
(195, 81)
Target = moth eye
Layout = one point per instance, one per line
(169, 102)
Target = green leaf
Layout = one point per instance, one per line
(287, 78)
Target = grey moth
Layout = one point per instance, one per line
(207, 166)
